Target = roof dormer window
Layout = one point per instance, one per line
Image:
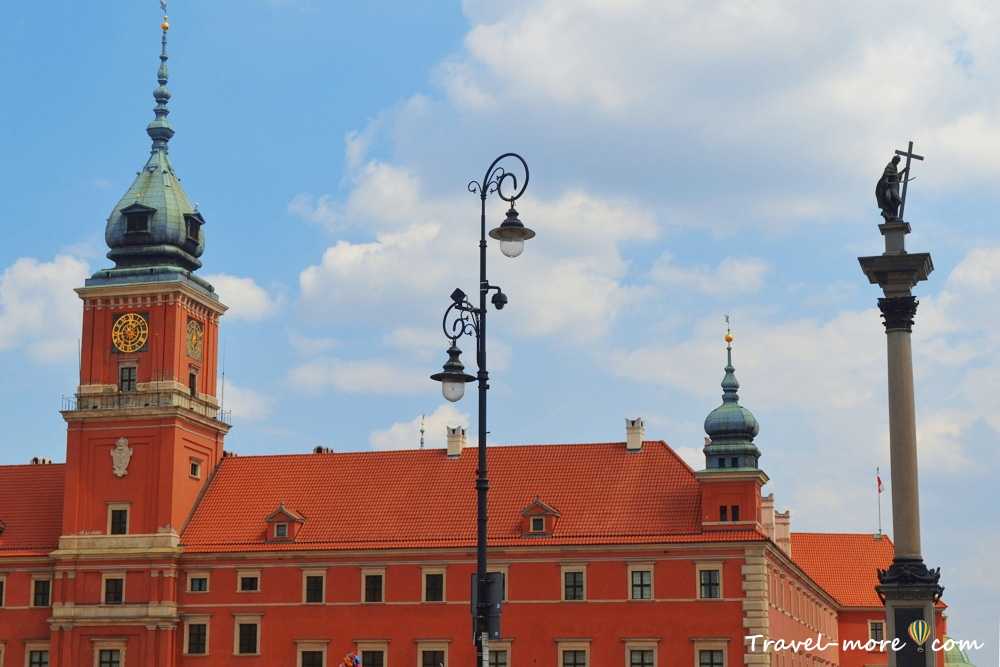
(192, 226)
(283, 524)
(538, 519)
(137, 218)
(538, 524)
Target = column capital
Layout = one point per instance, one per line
(910, 580)
(898, 312)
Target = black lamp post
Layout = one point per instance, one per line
(462, 318)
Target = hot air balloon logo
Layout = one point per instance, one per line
(919, 632)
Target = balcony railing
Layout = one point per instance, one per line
(125, 400)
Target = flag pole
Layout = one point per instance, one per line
(878, 493)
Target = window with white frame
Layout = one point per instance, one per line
(313, 586)
(640, 653)
(246, 638)
(311, 653)
(109, 654)
(498, 658)
(118, 518)
(197, 582)
(709, 581)
(373, 585)
(431, 654)
(640, 580)
(248, 581)
(196, 635)
(710, 653)
(41, 592)
(194, 471)
(280, 530)
(876, 630)
(574, 582)
(36, 654)
(373, 653)
(433, 584)
(574, 654)
(113, 588)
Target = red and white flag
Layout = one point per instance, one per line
(878, 481)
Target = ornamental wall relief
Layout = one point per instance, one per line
(121, 455)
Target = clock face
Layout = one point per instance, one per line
(130, 332)
(195, 339)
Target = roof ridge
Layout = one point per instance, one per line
(6, 466)
(495, 445)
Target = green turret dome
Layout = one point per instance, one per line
(731, 428)
(154, 233)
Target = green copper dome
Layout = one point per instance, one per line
(154, 233)
(731, 428)
(956, 657)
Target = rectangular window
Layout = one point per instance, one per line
(574, 658)
(734, 512)
(195, 470)
(433, 587)
(38, 659)
(281, 530)
(40, 596)
(127, 378)
(709, 586)
(372, 659)
(642, 657)
(114, 590)
(710, 658)
(311, 659)
(314, 588)
(723, 513)
(497, 659)
(247, 638)
(642, 585)
(193, 383)
(373, 588)
(197, 639)
(136, 223)
(876, 630)
(573, 585)
(538, 524)
(109, 658)
(430, 659)
(198, 583)
(249, 583)
(119, 521)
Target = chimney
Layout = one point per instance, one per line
(635, 432)
(783, 531)
(767, 515)
(456, 440)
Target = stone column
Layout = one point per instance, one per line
(908, 588)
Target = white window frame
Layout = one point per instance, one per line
(108, 645)
(128, 517)
(240, 574)
(368, 572)
(246, 619)
(431, 646)
(500, 645)
(381, 646)
(531, 525)
(423, 584)
(200, 620)
(200, 575)
(104, 591)
(642, 567)
(310, 645)
(195, 461)
(562, 581)
(305, 578)
(505, 571)
(31, 592)
(874, 621)
(277, 529)
(711, 645)
(700, 567)
(641, 645)
(562, 647)
(36, 646)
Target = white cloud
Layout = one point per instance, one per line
(320, 210)
(39, 311)
(246, 299)
(247, 403)
(733, 275)
(360, 376)
(309, 345)
(406, 435)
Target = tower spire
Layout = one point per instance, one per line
(731, 428)
(160, 130)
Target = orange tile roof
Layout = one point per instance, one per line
(423, 499)
(845, 565)
(31, 508)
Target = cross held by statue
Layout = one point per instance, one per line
(909, 155)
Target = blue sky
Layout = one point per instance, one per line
(688, 160)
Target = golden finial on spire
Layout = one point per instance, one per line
(729, 332)
(165, 26)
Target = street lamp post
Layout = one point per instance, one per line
(463, 318)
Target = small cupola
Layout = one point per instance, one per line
(283, 524)
(538, 519)
(731, 428)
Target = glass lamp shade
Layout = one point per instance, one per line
(511, 248)
(453, 391)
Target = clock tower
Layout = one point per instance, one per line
(145, 427)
